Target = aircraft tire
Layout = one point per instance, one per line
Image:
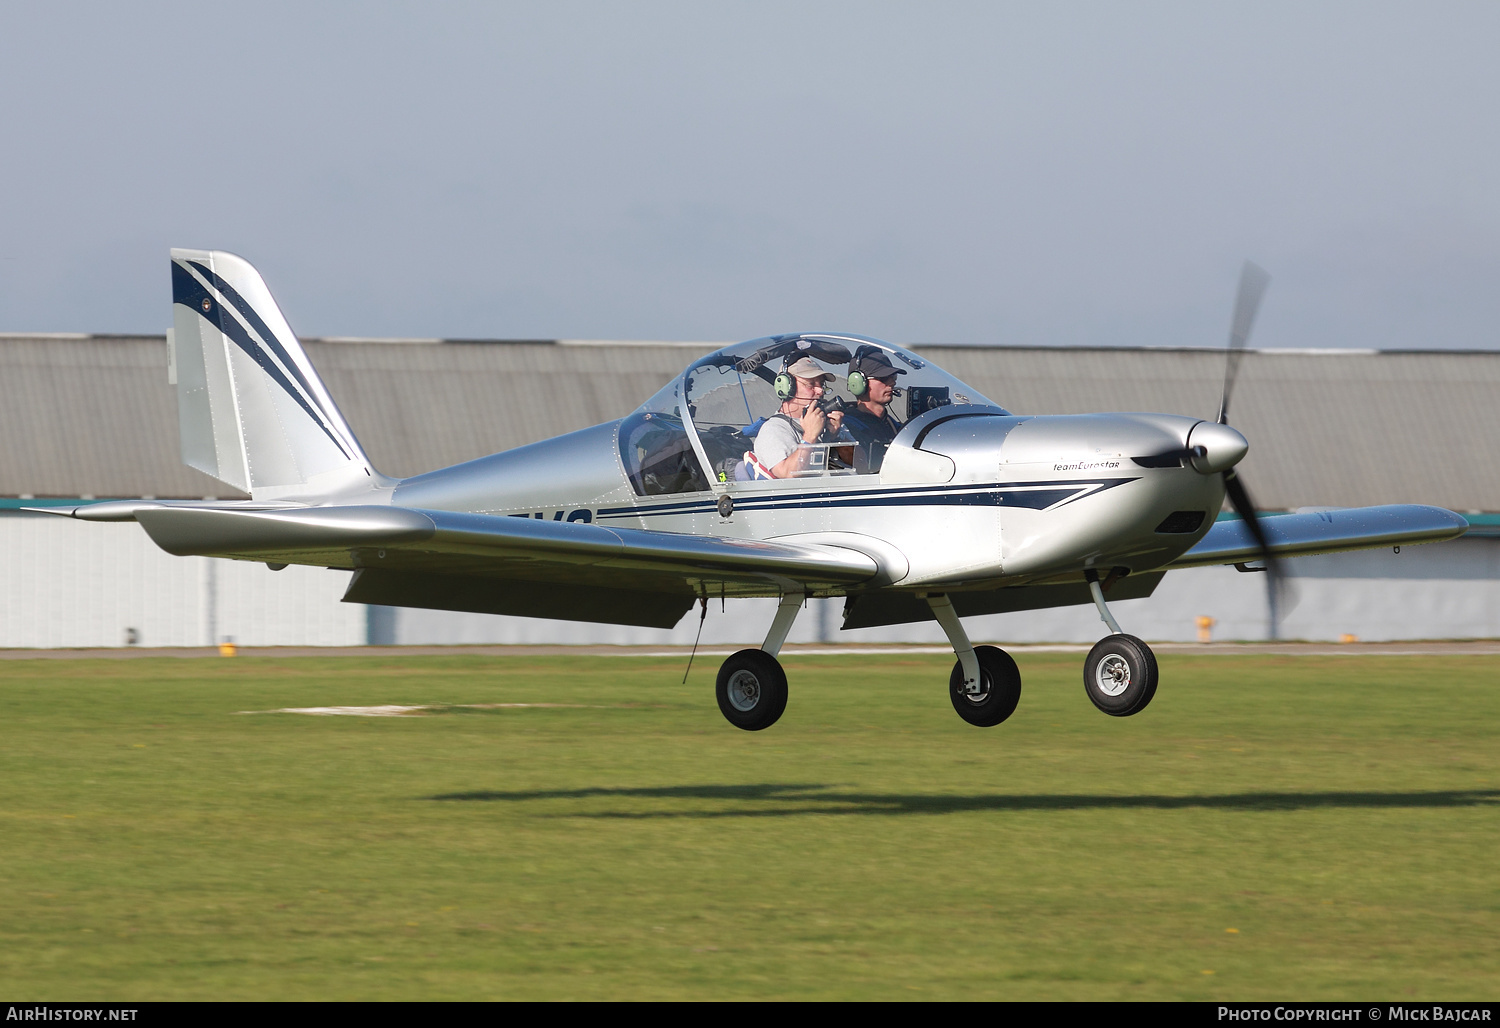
(1120, 675)
(751, 690)
(1001, 682)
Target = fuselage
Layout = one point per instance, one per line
(967, 497)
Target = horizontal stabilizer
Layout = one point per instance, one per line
(1328, 531)
(254, 535)
(505, 551)
(125, 510)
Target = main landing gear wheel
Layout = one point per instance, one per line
(1120, 675)
(751, 690)
(999, 688)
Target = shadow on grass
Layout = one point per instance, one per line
(790, 800)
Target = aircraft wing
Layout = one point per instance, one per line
(1329, 531)
(507, 565)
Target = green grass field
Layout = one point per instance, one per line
(1272, 827)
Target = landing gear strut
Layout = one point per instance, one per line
(985, 685)
(751, 688)
(1120, 673)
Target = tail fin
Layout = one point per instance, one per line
(251, 409)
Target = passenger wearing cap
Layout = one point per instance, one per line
(872, 380)
(779, 452)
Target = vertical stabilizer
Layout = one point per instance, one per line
(251, 409)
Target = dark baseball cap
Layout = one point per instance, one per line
(875, 365)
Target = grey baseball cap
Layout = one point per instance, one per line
(806, 367)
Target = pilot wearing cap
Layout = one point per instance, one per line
(779, 452)
(872, 380)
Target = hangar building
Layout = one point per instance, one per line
(92, 417)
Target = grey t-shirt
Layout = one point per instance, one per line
(776, 440)
(780, 435)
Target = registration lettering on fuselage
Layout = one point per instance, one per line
(586, 516)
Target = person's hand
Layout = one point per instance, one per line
(835, 422)
(813, 421)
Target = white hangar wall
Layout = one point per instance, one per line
(70, 583)
(75, 584)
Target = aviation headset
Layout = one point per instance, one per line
(785, 386)
(785, 383)
(858, 381)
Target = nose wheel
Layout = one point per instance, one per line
(1120, 675)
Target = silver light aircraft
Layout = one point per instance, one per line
(957, 508)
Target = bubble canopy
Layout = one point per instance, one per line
(724, 397)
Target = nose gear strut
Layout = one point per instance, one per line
(1120, 673)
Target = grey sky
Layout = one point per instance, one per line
(981, 173)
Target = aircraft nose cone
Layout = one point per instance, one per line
(1222, 447)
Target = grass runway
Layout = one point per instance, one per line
(1271, 828)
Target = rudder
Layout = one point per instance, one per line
(252, 411)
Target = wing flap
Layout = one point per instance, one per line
(644, 605)
(1332, 531)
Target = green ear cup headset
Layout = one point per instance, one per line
(785, 386)
(858, 381)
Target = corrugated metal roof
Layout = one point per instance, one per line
(91, 416)
(416, 407)
(94, 416)
(1325, 428)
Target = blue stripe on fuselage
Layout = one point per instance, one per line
(1025, 495)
